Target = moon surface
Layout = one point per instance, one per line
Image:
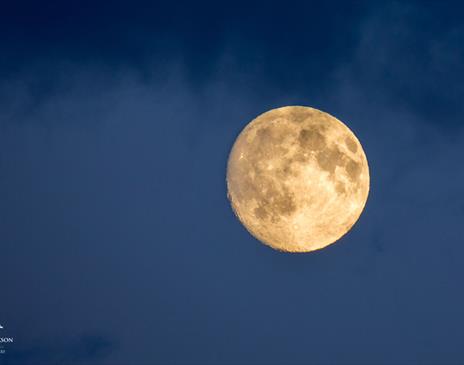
(297, 178)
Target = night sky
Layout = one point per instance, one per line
(117, 242)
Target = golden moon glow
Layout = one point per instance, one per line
(297, 178)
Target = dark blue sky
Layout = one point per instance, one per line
(117, 241)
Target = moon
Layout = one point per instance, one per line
(297, 178)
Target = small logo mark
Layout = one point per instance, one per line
(4, 341)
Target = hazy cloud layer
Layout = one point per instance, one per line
(85, 349)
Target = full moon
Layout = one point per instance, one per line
(297, 178)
